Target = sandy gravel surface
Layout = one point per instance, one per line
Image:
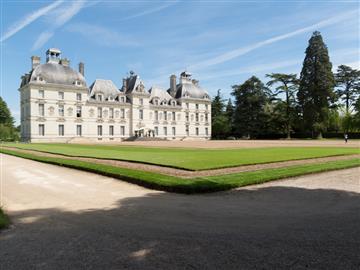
(69, 219)
(246, 143)
(192, 174)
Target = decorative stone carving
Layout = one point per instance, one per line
(70, 111)
(91, 112)
(51, 110)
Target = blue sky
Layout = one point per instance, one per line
(221, 43)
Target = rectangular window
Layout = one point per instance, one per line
(111, 130)
(206, 131)
(111, 114)
(41, 110)
(187, 130)
(165, 116)
(122, 99)
(197, 131)
(41, 94)
(187, 117)
(206, 106)
(41, 129)
(122, 113)
(61, 95)
(99, 130)
(187, 105)
(99, 112)
(99, 97)
(61, 110)
(141, 114)
(156, 115)
(156, 131)
(78, 130)
(173, 116)
(122, 130)
(197, 117)
(197, 106)
(173, 131)
(165, 131)
(78, 111)
(141, 101)
(206, 117)
(78, 97)
(61, 130)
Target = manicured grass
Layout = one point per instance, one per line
(4, 220)
(190, 159)
(196, 185)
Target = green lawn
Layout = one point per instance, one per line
(190, 159)
(4, 221)
(196, 185)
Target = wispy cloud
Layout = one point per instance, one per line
(149, 11)
(244, 50)
(265, 67)
(28, 19)
(100, 35)
(65, 14)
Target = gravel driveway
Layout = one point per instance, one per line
(69, 219)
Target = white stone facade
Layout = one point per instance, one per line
(57, 106)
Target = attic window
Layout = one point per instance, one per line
(122, 99)
(174, 103)
(77, 83)
(99, 97)
(156, 102)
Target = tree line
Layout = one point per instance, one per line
(318, 101)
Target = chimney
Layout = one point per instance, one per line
(124, 84)
(172, 84)
(81, 68)
(195, 82)
(65, 62)
(35, 61)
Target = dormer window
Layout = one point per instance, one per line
(173, 103)
(99, 97)
(77, 83)
(111, 99)
(156, 102)
(122, 99)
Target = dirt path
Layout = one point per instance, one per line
(216, 144)
(71, 219)
(191, 174)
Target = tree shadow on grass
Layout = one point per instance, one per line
(267, 228)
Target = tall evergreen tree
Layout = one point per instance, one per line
(249, 114)
(348, 85)
(288, 85)
(316, 89)
(229, 113)
(220, 124)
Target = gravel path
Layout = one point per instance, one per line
(192, 174)
(70, 219)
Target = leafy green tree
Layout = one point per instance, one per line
(7, 130)
(286, 84)
(220, 123)
(249, 114)
(348, 85)
(316, 90)
(5, 115)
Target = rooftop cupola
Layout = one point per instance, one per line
(53, 55)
